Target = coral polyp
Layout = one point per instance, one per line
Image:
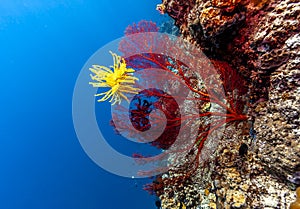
(118, 78)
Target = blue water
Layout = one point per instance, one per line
(43, 47)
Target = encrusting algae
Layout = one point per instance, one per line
(118, 78)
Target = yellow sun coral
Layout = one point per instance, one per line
(118, 78)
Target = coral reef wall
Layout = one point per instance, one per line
(258, 168)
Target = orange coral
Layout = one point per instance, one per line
(229, 5)
(296, 204)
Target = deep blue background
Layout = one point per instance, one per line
(43, 47)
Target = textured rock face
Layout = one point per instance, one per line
(261, 40)
(277, 122)
(277, 46)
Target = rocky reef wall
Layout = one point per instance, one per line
(257, 164)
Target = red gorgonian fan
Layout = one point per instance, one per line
(206, 96)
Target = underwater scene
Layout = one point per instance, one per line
(160, 104)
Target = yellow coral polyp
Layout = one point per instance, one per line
(118, 78)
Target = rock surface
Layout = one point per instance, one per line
(258, 168)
